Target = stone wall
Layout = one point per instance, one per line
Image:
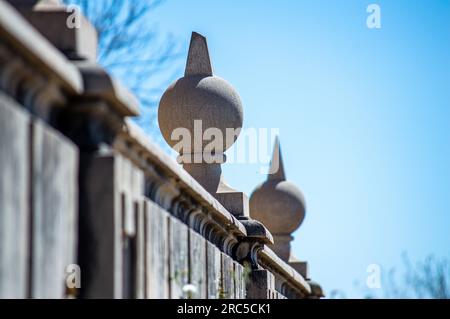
(80, 184)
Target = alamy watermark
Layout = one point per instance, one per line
(374, 19)
(373, 280)
(73, 21)
(209, 145)
(73, 277)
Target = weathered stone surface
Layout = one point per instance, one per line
(99, 84)
(141, 256)
(25, 42)
(301, 267)
(284, 272)
(14, 198)
(214, 271)
(77, 42)
(277, 295)
(198, 103)
(157, 251)
(240, 278)
(73, 35)
(112, 196)
(316, 290)
(179, 264)
(97, 224)
(260, 285)
(279, 205)
(129, 182)
(228, 276)
(129, 246)
(198, 61)
(197, 264)
(235, 202)
(199, 96)
(55, 206)
(184, 182)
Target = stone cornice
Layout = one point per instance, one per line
(294, 282)
(97, 83)
(33, 65)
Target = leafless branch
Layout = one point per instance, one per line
(133, 49)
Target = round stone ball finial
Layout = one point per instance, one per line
(203, 104)
(279, 205)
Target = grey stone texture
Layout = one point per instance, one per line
(77, 43)
(14, 198)
(199, 95)
(261, 285)
(157, 272)
(54, 206)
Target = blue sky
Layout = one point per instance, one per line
(364, 119)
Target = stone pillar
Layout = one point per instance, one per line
(67, 29)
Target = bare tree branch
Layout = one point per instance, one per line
(425, 279)
(133, 49)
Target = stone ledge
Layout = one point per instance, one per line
(76, 43)
(98, 83)
(30, 44)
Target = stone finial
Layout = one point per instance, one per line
(279, 205)
(196, 114)
(198, 61)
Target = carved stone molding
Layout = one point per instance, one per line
(166, 192)
(23, 82)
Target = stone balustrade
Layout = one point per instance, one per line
(81, 184)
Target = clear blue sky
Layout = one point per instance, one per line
(364, 117)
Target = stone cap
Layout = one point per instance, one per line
(37, 50)
(275, 264)
(277, 203)
(77, 40)
(79, 78)
(99, 83)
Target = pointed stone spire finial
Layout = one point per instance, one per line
(198, 61)
(276, 172)
(279, 205)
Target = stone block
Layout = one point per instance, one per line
(14, 198)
